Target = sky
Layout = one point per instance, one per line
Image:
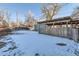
(23, 9)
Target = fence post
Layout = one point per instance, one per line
(75, 34)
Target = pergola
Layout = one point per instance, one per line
(61, 21)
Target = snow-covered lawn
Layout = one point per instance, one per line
(30, 43)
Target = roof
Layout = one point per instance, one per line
(67, 18)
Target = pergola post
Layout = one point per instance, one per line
(67, 29)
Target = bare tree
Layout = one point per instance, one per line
(50, 10)
(3, 21)
(29, 19)
(30, 16)
(17, 19)
(75, 14)
(7, 17)
(1, 14)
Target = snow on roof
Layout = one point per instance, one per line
(56, 19)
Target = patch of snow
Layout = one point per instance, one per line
(32, 43)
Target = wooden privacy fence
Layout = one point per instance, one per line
(64, 27)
